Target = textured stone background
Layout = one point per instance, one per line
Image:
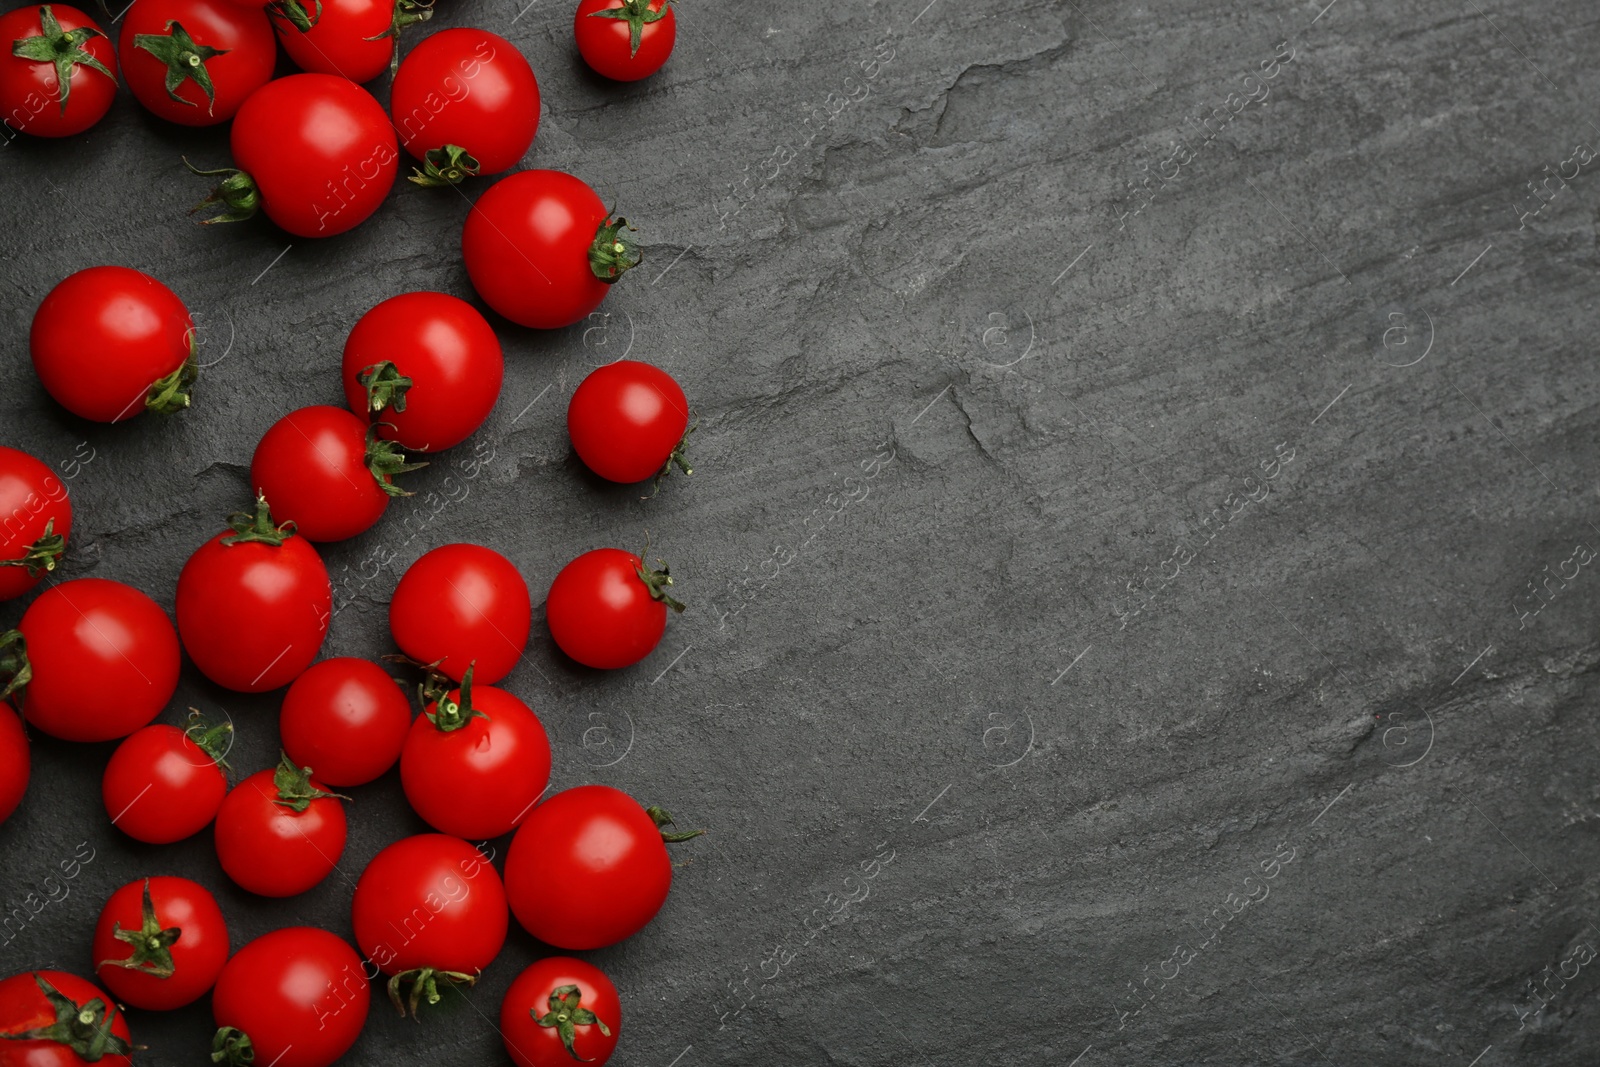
(953, 414)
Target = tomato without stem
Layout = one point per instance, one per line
(296, 997)
(607, 609)
(279, 832)
(629, 421)
(35, 521)
(625, 40)
(542, 250)
(347, 718)
(459, 605)
(58, 74)
(558, 1011)
(160, 943)
(194, 62)
(427, 366)
(468, 90)
(163, 784)
(15, 763)
(56, 1019)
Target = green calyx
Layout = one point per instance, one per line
(638, 15)
(385, 460)
(663, 820)
(62, 48)
(449, 714)
(294, 13)
(566, 1014)
(14, 664)
(257, 526)
(613, 253)
(677, 457)
(232, 1047)
(43, 554)
(185, 60)
(171, 394)
(295, 789)
(447, 165)
(656, 581)
(85, 1029)
(424, 983)
(236, 192)
(214, 741)
(152, 946)
(406, 13)
(385, 385)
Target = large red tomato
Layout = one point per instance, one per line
(467, 90)
(163, 784)
(429, 909)
(194, 62)
(103, 660)
(560, 1011)
(607, 609)
(589, 867)
(629, 421)
(253, 604)
(279, 832)
(296, 997)
(459, 605)
(625, 39)
(37, 521)
(58, 74)
(542, 249)
(109, 342)
(160, 943)
(56, 1019)
(314, 151)
(15, 763)
(427, 366)
(354, 39)
(347, 718)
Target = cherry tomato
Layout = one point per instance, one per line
(279, 832)
(327, 471)
(347, 718)
(589, 867)
(354, 39)
(194, 62)
(296, 997)
(58, 74)
(314, 151)
(428, 910)
(15, 763)
(253, 604)
(62, 1021)
(427, 366)
(560, 1011)
(109, 342)
(163, 784)
(459, 605)
(607, 610)
(35, 521)
(629, 421)
(469, 90)
(542, 249)
(103, 657)
(625, 40)
(160, 943)
(474, 764)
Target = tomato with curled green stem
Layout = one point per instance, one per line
(629, 421)
(560, 1010)
(625, 40)
(163, 784)
(279, 832)
(35, 521)
(297, 997)
(194, 62)
(607, 609)
(58, 73)
(56, 1019)
(160, 943)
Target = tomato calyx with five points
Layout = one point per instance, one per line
(43, 555)
(185, 60)
(171, 394)
(258, 526)
(449, 714)
(85, 1029)
(152, 945)
(231, 1046)
(637, 14)
(444, 166)
(237, 192)
(566, 1013)
(62, 48)
(296, 791)
(657, 581)
(613, 253)
(385, 460)
(385, 385)
(424, 982)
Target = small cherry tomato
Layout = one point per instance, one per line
(607, 610)
(56, 1019)
(35, 521)
(465, 102)
(109, 342)
(296, 997)
(279, 832)
(625, 40)
(194, 62)
(160, 943)
(15, 763)
(163, 784)
(459, 605)
(427, 366)
(58, 74)
(353, 39)
(629, 421)
(103, 659)
(253, 604)
(560, 1011)
(542, 249)
(347, 718)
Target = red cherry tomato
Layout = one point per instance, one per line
(253, 604)
(15, 763)
(58, 74)
(459, 605)
(429, 910)
(625, 39)
(103, 656)
(427, 366)
(354, 39)
(35, 521)
(314, 151)
(589, 867)
(91, 1028)
(347, 718)
(109, 342)
(607, 610)
(164, 784)
(279, 832)
(560, 1011)
(327, 471)
(471, 89)
(542, 250)
(160, 943)
(629, 421)
(480, 743)
(298, 994)
(214, 53)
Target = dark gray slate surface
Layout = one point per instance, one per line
(943, 659)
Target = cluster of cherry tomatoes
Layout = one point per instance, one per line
(96, 660)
